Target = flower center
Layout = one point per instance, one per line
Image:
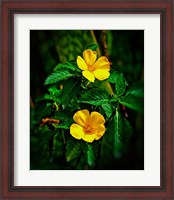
(90, 68)
(88, 129)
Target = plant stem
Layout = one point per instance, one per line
(95, 41)
(105, 85)
(104, 43)
(49, 120)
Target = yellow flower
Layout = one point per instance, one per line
(88, 127)
(91, 68)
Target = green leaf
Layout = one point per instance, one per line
(95, 96)
(44, 129)
(120, 85)
(70, 89)
(118, 125)
(54, 91)
(120, 82)
(73, 149)
(105, 85)
(91, 152)
(72, 66)
(90, 155)
(63, 125)
(137, 90)
(57, 76)
(63, 116)
(42, 110)
(53, 96)
(57, 145)
(113, 77)
(45, 134)
(106, 152)
(107, 109)
(127, 132)
(81, 165)
(66, 119)
(71, 43)
(93, 47)
(45, 97)
(118, 134)
(133, 102)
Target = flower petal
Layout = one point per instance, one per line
(99, 132)
(81, 63)
(89, 75)
(81, 117)
(95, 119)
(76, 131)
(101, 74)
(88, 138)
(102, 63)
(89, 57)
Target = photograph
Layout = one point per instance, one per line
(86, 99)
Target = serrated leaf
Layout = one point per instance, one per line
(114, 99)
(93, 47)
(118, 125)
(137, 90)
(90, 151)
(120, 85)
(107, 109)
(133, 102)
(63, 125)
(45, 97)
(72, 66)
(113, 77)
(54, 91)
(55, 94)
(73, 149)
(95, 96)
(90, 155)
(70, 89)
(57, 76)
(65, 118)
(120, 82)
(118, 134)
(42, 110)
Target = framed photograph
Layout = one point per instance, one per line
(86, 100)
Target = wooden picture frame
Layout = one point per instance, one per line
(166, 10)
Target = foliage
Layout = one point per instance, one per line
(65, 91)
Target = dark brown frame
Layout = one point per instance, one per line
(11, 7)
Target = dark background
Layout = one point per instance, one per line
(126, 52)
